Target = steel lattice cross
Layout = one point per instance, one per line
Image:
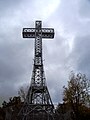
(38, 104)
(31, 32)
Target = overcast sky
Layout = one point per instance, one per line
(69, 50)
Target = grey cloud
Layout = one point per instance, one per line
(9, 3)
(84, 8)
(8, 7)
(80, 56)
(15, 63)
(83, 51)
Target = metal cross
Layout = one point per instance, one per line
(44, 32)
(38, 103)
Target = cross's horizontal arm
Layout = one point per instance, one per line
(44, 32)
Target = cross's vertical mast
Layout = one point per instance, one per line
(38, 104)
(38, 64)
(38, 44)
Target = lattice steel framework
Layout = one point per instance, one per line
(38, 104)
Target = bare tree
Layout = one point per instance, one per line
(23, 92)
(77, 93)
